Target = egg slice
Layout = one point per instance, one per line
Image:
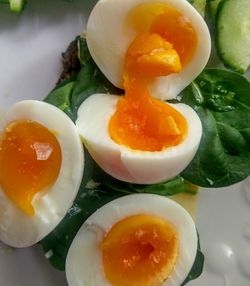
(114, 24)
(139, 239)
(124, 163)
(41, 167)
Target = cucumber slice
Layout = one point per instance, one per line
(233, 34)
(17, 5)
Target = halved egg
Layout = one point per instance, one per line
(137, 240)
(127, 164)
(114, 24)
(41, 167)
(152, 50)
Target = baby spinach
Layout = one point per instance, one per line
(222, 100)
(69, 95)
(171, 187)
(61, 95)
(197, 267)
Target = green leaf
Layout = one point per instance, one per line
(69, 95)
(90, 79)
(171, 187)
(61, 95)
(223, 157)
(197, 268)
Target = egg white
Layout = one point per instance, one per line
(18, 229)
(84, 260)
(108, 38)
(123, 163)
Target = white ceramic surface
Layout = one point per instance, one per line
(30, 48)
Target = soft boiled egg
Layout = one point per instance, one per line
(127, 164)
(137, 240)
(41, 167)
(144, 46)
(114, 24)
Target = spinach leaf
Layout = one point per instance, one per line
(197, 267)
(69, 95)
(90, 79)
(61, 95)
(171, 187)
(222, 100)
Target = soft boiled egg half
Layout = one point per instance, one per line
(151, 49)
(137, 240)
(41, 167)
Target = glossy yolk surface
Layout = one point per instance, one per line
(166, 41)
(30, 161)
(140, 250)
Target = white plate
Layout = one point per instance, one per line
(30, 48)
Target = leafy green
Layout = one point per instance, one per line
(171, 187)
(222, 101)
(61, 95)
(197, 267)
(90, 79)
(69, 95)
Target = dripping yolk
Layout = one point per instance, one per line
(30, 161)
(140, 250)
(165, 42)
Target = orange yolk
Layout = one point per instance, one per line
(166, 42)
(30, 161)
(140, 250)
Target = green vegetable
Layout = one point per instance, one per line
(172, 187)
(69, 95)
(90, 79)
(61, 96)
(197, 268)
(222, 101)
(233, 34)
(16, 6)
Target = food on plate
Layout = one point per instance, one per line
(113, 25)
(129, 165)
(135, 240)
(150, 64)
(41, 167)
(232, 34)
(221, 100)
(162, 48)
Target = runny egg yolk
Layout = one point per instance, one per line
(165, 42)
(30, 161)
(140, 250)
